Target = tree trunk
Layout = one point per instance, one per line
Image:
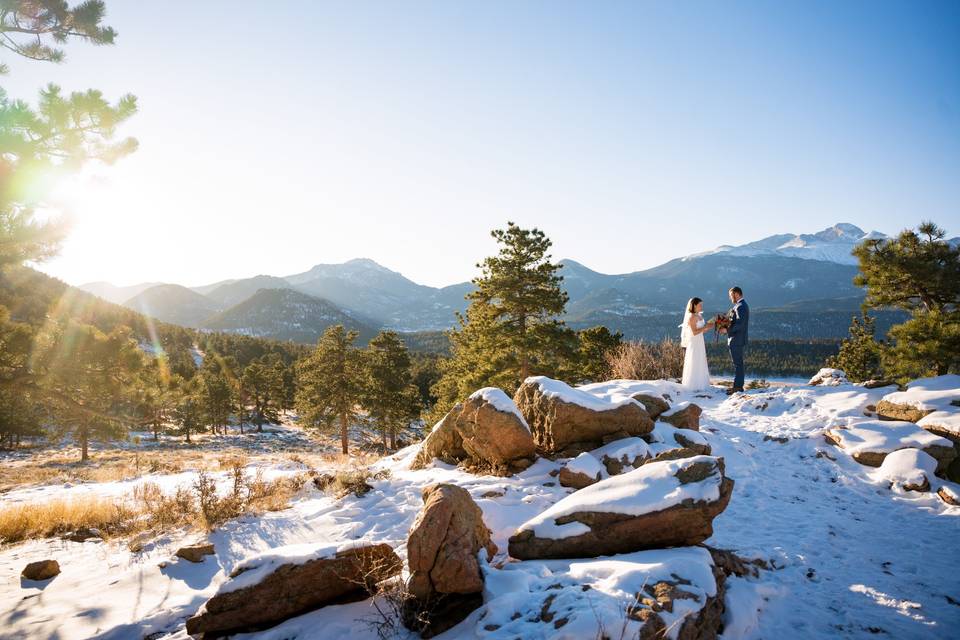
(259, 420)
(384, 436)
(83, 445)
(393, 440)
(188, 436)
(344, 442)
(156, 430)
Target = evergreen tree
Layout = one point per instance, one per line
(88, 377)
(511, 328)
(595, 344)
(44, 144)
(330, 383)
(522, 287)
(860, 354)
(216, 400)
(389, 395)
(20, 417)
(918, 271)
(926, 344)
(188, 414)
(263, 389)
(157, 394)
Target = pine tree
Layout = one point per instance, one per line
(511, 328)
(216, 400)
(595, 345)
(42, 145)
(927, 344)
(263, 388)
(157, 394)
(389, 395)
(522, 287)
(88, 377)
(860, 354)
(330, 383)
(918, 271)
(188, 414)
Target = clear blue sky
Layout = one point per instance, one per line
(278, 135)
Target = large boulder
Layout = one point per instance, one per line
(492, 430)
(932, 403)
(486, 431)
(661, 504)
(870, 441)
(286, 582)
(659, 593)
(446, 581)
(568, 421)
(443, 442)
(685, 415)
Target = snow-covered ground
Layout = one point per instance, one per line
(853, 558)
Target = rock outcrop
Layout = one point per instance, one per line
(567, 421)
(446, 582)
(290, 581)
(661, 504)
(487, 431)
(870, 441)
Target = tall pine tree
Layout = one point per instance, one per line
(918, 271)
(330, 383)
(511, 329)
(389, 395)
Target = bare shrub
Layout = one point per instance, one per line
(347, 481)
(641, 360)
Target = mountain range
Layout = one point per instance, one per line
(792, 273)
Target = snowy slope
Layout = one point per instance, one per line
(852, 558)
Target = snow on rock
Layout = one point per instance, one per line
(829, 377)
(255, 568)
(286, 582)
(667, 503)
(567, 421)
(559, 390)
(933, 403)
(500, 401)
(908, 469)
(869, 441)
(573, 599)
(587, 464)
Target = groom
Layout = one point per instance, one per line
(739, 317)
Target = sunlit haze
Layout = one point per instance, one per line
(279, 135)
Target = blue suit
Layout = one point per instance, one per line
(737, 338)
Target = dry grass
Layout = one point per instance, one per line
(55, 517)
(149, 509)
(647, 360)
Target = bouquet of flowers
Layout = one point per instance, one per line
(722, 323)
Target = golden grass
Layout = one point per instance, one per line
(148, 509)
(58, 516)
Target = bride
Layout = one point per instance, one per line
(696, 375)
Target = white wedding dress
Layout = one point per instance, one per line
(696, 374)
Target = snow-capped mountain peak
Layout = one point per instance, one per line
(833, 244)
